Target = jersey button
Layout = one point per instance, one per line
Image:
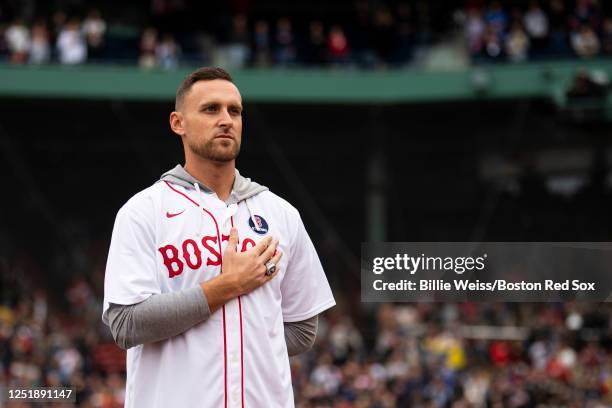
(234, 357)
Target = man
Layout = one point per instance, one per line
(211, 280)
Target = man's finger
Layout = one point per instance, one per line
(269, 252)
(233, 240)
(276, 258)
(262, 245)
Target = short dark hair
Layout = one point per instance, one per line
(200, 74)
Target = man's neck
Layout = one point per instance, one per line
(218, 176)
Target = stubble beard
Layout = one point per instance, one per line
(215, 151)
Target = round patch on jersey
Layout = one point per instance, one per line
(260, 227)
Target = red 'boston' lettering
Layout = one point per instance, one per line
(196, 252)
(213, 251)
(192, 255)
(247, 244)
(171, 257)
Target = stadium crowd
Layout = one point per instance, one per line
(461, 355)
(394, 355)
(374, 35)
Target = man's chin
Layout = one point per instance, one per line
(224, 155)
(218, 155)
(217, 152)
(222, 159)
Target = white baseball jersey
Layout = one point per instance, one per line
(169, 238)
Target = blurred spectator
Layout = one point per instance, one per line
(235, 54)
(345, 340)
(17, 37)
(584, 86)
(80, 295)
(586, 12)
(67, 359)
(404, 34)
(383, 33)
(285, 48)
(517, 43)
(326, 375)
(496, 18)
(585, 42)
(361, 34)
(315, 49)
(58, 20)
(500, 353)
(167, 53)
(148, 46)
(205, 49)
(338, 46)
(558, 28)
(71, 44)
(262, 55)
(40, 52)
(94, 28)
(476, 386)
(423, 23)
(606, 37)
(474, 31)
(492, 46)
(536, 26)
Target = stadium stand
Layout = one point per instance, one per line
(359, 33)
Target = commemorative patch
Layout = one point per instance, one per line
(260, 226)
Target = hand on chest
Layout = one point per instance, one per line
(191, 239)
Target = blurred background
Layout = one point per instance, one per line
(378, 120)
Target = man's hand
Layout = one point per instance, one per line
(242, 272)
(248, 269)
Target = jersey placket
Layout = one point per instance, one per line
(222, 216)
(233, 328)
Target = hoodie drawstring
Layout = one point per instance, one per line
(246, 202)
(197, 187)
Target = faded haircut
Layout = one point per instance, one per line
(200, 74)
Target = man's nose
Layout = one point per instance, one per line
(226, 119)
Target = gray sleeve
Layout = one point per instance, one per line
(300, 336)
(170, 314)
(157, 318)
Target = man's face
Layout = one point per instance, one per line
(212, 120)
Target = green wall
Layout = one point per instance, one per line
(317, 86)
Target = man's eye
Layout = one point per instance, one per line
(211, 108)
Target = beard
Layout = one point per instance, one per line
(222, 150)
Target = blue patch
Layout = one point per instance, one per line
(260, 227)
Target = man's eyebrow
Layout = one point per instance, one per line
(207, 103)
(215, 102)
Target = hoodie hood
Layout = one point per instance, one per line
(242, 189)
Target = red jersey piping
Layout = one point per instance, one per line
(223, 307)
(241, 341)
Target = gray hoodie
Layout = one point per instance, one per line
(243, 187)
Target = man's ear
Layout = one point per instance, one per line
(176, 123)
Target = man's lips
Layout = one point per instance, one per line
(224, 136)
